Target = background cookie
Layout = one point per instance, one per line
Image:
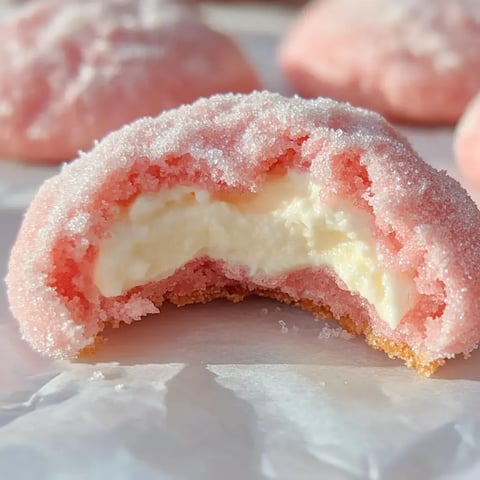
(467, 142)
(411, 60)
(72, 70)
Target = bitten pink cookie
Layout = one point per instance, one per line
(73, 70)
(311, 202)
(411, 60)
(467, 142)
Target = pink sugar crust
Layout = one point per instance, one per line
(424, 220)
(73, 70)
(467, 142)
(413, 61)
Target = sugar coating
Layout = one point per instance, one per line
(467, 142)
(73, 70)
(424, 221)
(414, 61)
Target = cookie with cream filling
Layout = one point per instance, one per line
(311, 202)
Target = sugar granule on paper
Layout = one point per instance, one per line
(328, 332)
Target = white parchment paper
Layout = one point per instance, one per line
(250, 391)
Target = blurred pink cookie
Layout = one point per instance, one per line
(411, 60)
(73, 70)
(467, 142)
(310, 202)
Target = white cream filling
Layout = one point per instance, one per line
(282, 228)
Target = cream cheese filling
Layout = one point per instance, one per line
(282, 228)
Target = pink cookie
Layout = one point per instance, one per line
(311, 202)
(467, 142)
(411, 60)
(73, 70)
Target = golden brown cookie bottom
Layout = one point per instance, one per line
(237, 294)
(391, 348)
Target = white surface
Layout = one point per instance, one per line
(226, 391)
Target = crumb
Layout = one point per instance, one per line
(346, 335)
(97, 375)
(334, 332)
